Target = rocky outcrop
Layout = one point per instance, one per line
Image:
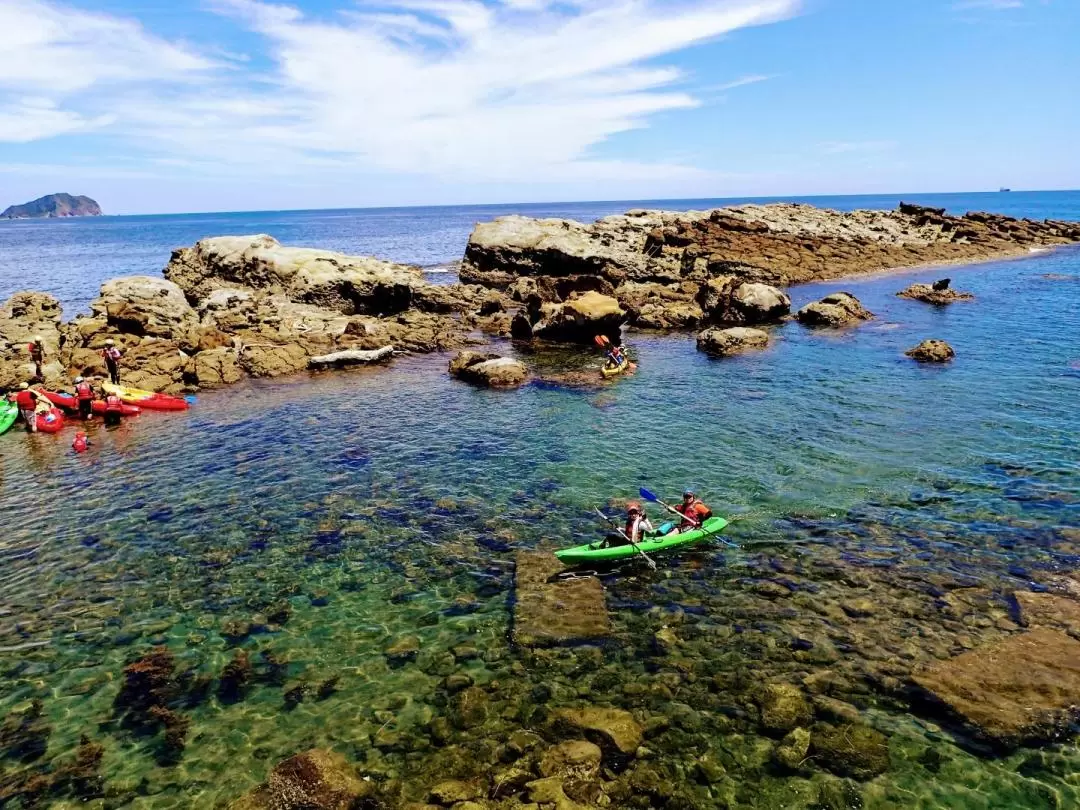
(724, 342)
(578, 320)
(939, 293)
(932, 351)
(53, 205)
(23, 317)
(145, 306)
(835, 310)
(1023, 689)
(488, 370)
(779, 244)
(315, 780)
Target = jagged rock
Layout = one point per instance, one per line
(932, 295)
(783, 708)
(737, 339)
(837, 309)
(273, 360)
(352, 357)
(348, 284)
(216, 367)
(24, 316)
(758, 303)
(856, 751)
(315, 780)
(576, 759)
(613, 728)
(488, 370)
(143, 305)
(932, 351)
(580, 319)
(1020, 690)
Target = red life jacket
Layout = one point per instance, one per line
(35, 351)
(113, 404)
(84, 391)
(79, 445)
(695, 513)
(25, 400)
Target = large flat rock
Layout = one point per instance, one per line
(1023, 689)
(1048, 610)
(555, 612)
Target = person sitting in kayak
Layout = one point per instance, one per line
(637, 524)
(85, 394)
(114, 409)
(111, 354)
(694, 512)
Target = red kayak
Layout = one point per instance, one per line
(147, 399)
(125, 409)
(61, 400)
(51, 422)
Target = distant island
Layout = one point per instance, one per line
(54, 205)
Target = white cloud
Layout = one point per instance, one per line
(518, 90)
(997, 5)
(32, 119)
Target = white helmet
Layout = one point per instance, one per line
(78, 380)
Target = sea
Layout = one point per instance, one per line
(328, 560)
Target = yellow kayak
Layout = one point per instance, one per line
(609, 370)
(146, 399)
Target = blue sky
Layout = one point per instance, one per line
(196, 105)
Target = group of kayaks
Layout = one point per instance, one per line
(133, 401)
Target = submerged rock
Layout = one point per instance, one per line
(937, 293)
(856, 751)
(783, 708)
(1022, 689)
(835, 310)
(724, 342)
(315, 780)
(1048, 610)
(932, 351)
(576, 759)
(613, 728)
(793, 749)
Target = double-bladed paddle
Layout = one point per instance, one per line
(623, 534)
(652, 498)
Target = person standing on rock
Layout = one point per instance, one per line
(112, 361)
(37, 354)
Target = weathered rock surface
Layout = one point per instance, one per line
(834, 310)
(855, 751)
(1023, 689)
(935, 293)
(783, 708)
(23, 317)
(932, 351)
(723, 342)
(554, 612)
(352, 357)
(1048, 610)
(315, 780)
(488, 370)
(778, 244)
(145, 306)
(614, 728)
(575, 759)
(577, 320)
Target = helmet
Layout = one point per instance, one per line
(688, 493)
(78, 380)
(109, 342)
(24, 386)
(38, 339)
(633, 506)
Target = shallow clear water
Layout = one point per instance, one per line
(381, 504)
(70, 258)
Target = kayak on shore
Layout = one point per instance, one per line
(51, 422)
(147, 399)
(9, 412)
(598, 552)
(125, 410)
(61, 400)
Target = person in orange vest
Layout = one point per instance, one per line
(113, 409)
(80, 442)
(37, 354)
(112, 361)
(694, 512)
(85, 394)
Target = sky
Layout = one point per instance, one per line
(164, 106)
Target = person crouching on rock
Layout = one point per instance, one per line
(112, 361)
(114, 409)
(37, 355)
(85, 394)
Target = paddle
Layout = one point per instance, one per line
(618, 528)
(605, 345)
(652, 498)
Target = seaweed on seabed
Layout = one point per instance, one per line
(176, 727)
(328, 687)
(81, 777)
(272, 669)
(25, 735)
(148, 698)
(235, 678)
(295, 696)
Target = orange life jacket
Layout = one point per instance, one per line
(84, 391)
(694, 513)
(113, 404)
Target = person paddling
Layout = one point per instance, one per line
(114, 409)
(694, 512)
(85, 394)
(637, 522)
(112, 355)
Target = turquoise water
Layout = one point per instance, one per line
(323, 519)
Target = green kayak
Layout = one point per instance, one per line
(8, 412)
(596, 552)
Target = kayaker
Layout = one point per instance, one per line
(85, 394)
(37, 354)
(694, 512)
(112, 360)
(637, 522)
(114, 409)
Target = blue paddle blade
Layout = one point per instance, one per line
(644, 493)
